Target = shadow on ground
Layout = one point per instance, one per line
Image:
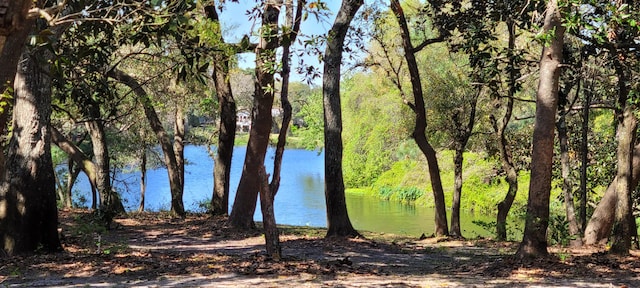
(151, 250)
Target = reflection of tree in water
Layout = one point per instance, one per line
(313, 194)
(311, 182)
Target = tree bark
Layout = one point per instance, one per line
(584, 159)
(29, 218)
(178, 142)
(457, 193)
(622, 227)
(601, 221)
(627, 124)
(244, 205)
(14, 30)
(271, 234)
(227, 128)
(110, 202)
(338, 221)
(534, 241)
(177, 190)
(441, 228)
(567, 190)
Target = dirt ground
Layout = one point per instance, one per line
(154, 250)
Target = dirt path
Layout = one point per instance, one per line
(151, 250)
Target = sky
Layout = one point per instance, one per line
(236, 24)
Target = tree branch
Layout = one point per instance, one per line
(428, 42)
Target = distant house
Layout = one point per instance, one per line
(243, 121)
(275, 112)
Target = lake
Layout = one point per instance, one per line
(300, 200)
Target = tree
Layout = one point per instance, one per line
(338, 222)
(624, 225)
(463, 131)
(292, 28)
(245, 202)
(77, 156)
(27, 197)
(15, 26)
(82, 53)
(534, 241)
(170, 159)
(227, 129)
(418, 108)
(601, 222)
(609, 30)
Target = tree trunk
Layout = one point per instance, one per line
(227, 128)
(14, 30)
(567, 189)
(110, 202)
(74, 171)
(622, 227)
(177, 205)
(601, 221)
(338, 221)
(293, 25)
(461, 137)
(272, 239)
(457, 193)
(441, 228)
(584, 159)
(244, 205)
(143, 178)
(178, 143)
(534, 241)
(29, 218)
(505, 154)
(74, 153)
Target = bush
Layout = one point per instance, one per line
(400, 194)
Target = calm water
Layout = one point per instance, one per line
(300, 200)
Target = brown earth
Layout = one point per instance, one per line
(154, 250)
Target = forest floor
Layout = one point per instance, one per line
(154, 250)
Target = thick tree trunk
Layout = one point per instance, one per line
(338, 221)
(110, 202)
(244, 205)
(441, 228)
(143, 178)
(601, 221)
(29, 218)
(567, 187)
(534, 241)
(14, 29)
(623, 225)
(177, 205)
